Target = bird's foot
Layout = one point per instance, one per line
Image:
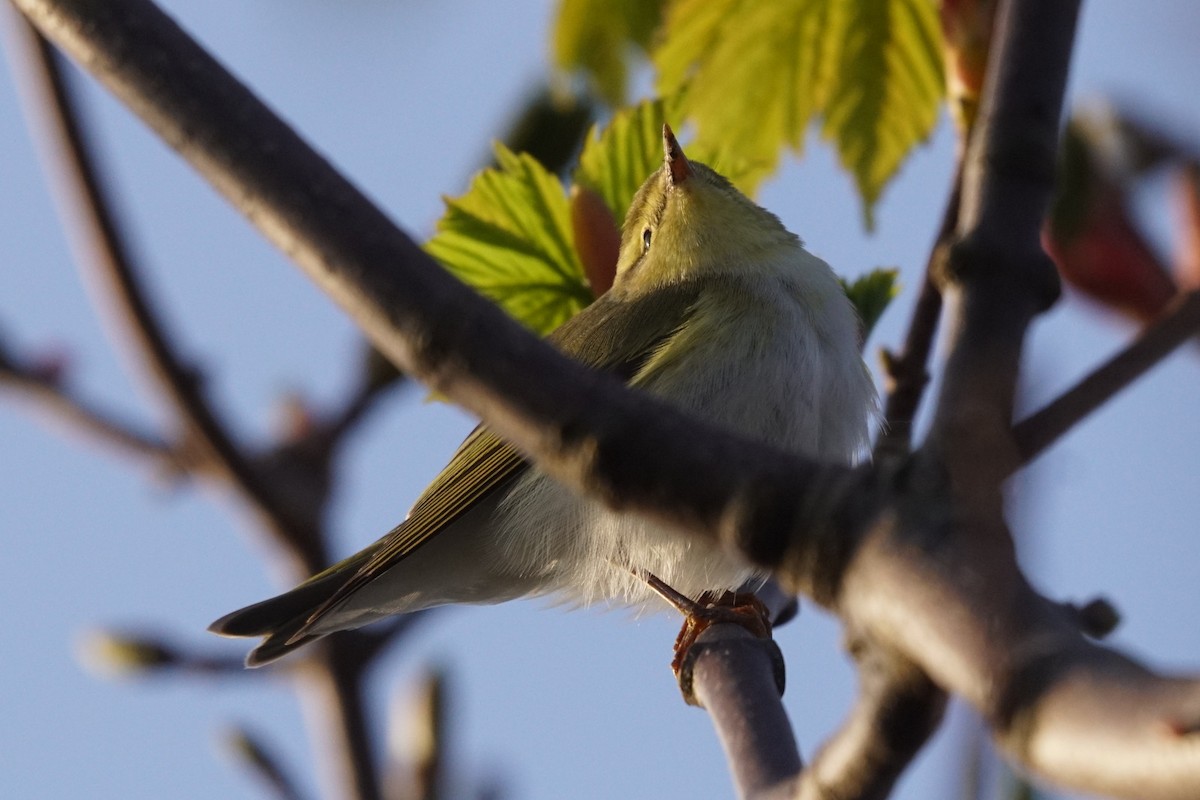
(739, 608)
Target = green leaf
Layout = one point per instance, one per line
(758, 73)
(596, 35)
(510, 238)
(616, 161)
(871, 294)
(889, 85)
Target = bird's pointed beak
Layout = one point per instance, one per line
(676, 161)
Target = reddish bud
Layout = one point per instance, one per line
(294, 417)
(1187, 196)
(1110, 262)
(50, 366)
(1093, 240)
(967, 32)
(597, 238)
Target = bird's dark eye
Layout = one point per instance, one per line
(646, 235)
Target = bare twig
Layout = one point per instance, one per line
(906, 371)
(333, 700)
(734, 677)
(898, 708)
(59, 404)
(108, 255)
(915, 555)
(252, 753)
(420, 744)
(1041, 429)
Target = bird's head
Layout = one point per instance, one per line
(687, 221)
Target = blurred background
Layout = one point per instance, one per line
(405, 97)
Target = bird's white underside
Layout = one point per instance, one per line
(786, 371)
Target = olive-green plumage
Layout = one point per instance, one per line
(715, 308)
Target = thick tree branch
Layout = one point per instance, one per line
(1062, 706)
(1057, 703)
(999, 277)
(915, 556)
(582, 427)
(1179, 324)
(109, 258)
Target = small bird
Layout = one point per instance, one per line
(717, 309)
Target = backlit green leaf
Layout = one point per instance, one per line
(596, 35)
(757, 74)
(617, 160)
(887, 91)
(510, 238)
(871, 294)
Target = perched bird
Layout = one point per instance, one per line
(715, 308)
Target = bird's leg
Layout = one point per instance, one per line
(742, 609)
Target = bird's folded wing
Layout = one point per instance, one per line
(632, 331)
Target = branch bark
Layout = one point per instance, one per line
(733, 675)
(207, 443)
(63, 406)
(913, 554)
(898, 708)
(1179, 324)
(999, 277)
(582, 427)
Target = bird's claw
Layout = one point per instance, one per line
(740, 608)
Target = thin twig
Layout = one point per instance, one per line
(735, 678)
(1178, 324)
(898, 708)
(355, 409)
(577, 422)
(109, 256)
(253, 754)
(60, 405)
(333, 696)
(907, 370)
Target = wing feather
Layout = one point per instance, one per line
(633, 331)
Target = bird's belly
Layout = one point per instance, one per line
(587, 553)
(583, 553)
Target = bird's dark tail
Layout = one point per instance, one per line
(280, 617)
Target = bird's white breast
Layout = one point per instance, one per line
(773, 356)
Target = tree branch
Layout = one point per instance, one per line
(896, 711)
(999, 277)
(907, 371)
(51, 398)
(1179, 324)
(734, 676)
(582, 427)
(914, 555)
(108, 256)
(1066, 708)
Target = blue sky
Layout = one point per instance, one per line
(404, 96)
